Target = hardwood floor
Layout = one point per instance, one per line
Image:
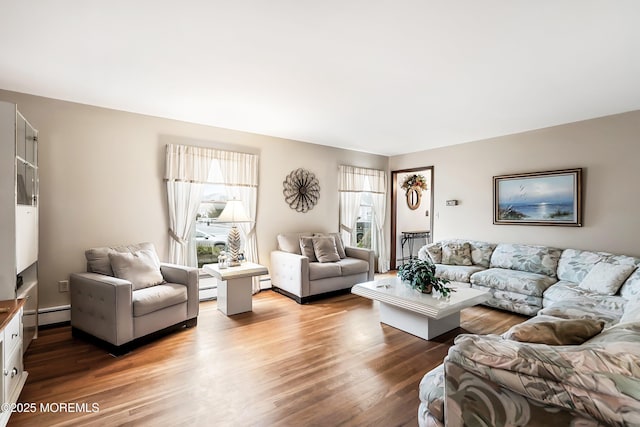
(326, 363)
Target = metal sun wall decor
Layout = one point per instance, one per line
(301, 190)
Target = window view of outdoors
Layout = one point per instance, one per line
(211, 236)
(363, 225)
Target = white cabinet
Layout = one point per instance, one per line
(13, 375)
(18, 202)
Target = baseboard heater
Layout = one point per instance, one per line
(53, 315)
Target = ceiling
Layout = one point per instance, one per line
(381, 76)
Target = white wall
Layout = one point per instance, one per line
(101, 181)
(608, 150)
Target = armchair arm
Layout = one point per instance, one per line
(290, 272)
(102, 306)
(188, 276)
(593, 380)
(365, 255)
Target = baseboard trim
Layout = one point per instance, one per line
(54, 315)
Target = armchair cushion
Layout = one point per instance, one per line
(141, 268)
(323, 270)
(148, 300)
(98, 258)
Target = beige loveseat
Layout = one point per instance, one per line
(127, 294)
(318, 272)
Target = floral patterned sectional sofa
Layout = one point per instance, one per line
(577, 362)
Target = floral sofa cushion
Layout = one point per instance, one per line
(574, 264)
(530, 258)
(457, 273)
(515, 302)
(480, 251)
(512, 280)
(631, 288)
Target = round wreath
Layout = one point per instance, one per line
(415, 180)
(301, 190)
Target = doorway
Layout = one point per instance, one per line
(411, 212)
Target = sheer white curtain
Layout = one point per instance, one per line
(240, 172)
(187, 168)
(352, 182)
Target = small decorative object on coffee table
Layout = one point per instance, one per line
(421, 275)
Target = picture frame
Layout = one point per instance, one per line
(539, 198)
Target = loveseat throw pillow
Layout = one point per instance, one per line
(605, 278)
(306, 248)
(141, 268)
(325, 249)
(454, 253)
(555, 331)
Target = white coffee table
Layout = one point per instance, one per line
(234, 286)
(419, 314)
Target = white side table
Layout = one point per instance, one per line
(234, 287)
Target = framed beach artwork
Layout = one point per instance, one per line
(540, 198)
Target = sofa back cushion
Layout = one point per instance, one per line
(606, 278)
(456, 253)
(530, 258)
(575, 264)
(98, 258)
(480, 251)
(290, 242)
(631, 288)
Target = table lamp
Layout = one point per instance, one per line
(233, 213)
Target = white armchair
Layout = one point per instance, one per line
(147, 297)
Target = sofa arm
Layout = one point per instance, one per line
(592, 380)
(365, 255)
(188, 276)
(102, 306)
(290, 272)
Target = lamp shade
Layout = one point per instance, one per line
(234, 212)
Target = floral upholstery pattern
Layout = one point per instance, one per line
(491, 381)
(542, 378)
(514, 281)
(432, 251)
(455, 253)
(480, 251)
(432, 393)
(631, 288)
(574, 264)
(456, 273)
(531, 258)
(512, 301)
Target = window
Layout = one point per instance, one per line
(211, 236)
(363, 224)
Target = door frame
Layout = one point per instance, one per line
(394, 204)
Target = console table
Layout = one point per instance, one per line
(234, 286)
(409, 237)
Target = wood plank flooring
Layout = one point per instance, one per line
(327, 363)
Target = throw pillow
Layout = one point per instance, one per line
(605, 278)
(306, 247)
(555, 331)
(456, 253)
(338, 240)
(141, 268)
(325, 249)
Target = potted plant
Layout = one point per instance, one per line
(421, 275)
